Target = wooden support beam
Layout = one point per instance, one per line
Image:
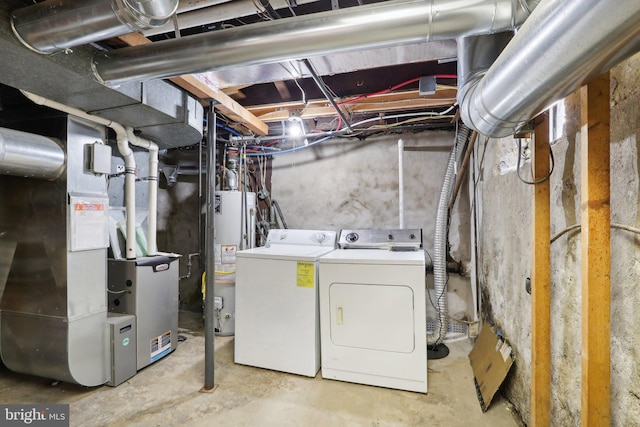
(225, 105)
(541, 279)
(201, 89)
(596, 252)
(396, 101)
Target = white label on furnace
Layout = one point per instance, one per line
(160, 346)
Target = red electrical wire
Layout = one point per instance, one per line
(392, 88)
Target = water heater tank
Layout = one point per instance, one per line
(235, 223)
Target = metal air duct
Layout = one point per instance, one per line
(29, 155)
(377, 25)
(562, 46)
(55, 25)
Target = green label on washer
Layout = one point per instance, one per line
(125, 342)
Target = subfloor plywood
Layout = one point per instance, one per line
(167, 394)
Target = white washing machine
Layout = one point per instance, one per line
(372, 309)
(277, 313)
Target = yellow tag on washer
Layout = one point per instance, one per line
(305, 274)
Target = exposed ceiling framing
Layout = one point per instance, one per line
(255, 97)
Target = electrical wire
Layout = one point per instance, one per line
(579, 226)
(392, 88)
(538, 181)
(381, 92)
(228, 129)
(331, 134)
(295, 80)
(291, 150)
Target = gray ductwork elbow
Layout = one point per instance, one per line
(560, 47)
(476, 55)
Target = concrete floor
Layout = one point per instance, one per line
(167, 394)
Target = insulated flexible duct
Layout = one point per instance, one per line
(440, 242)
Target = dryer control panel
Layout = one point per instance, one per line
(390, 239)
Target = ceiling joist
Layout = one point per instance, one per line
(204, 91)
(397, 101)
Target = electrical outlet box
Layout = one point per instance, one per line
(98, 158)
(427, 85)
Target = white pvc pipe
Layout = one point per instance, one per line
(125, 151)
(152, 247)
(401, 182)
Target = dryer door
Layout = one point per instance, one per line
(374, 317)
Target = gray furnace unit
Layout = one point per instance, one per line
(147, 288)
(53, 252)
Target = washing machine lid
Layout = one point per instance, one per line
(374, 256)
(286, 252)
(290, 244)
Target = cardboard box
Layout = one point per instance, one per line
(491, 358)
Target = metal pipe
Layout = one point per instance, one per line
(401, 183)
(189, 265)
(199, 13)
(55, 25)
(210, 266)
(129, 163)
(323, 88)
(200, 240)
(274, 203)
(152, 219)
(29, 155)
(343, 30)
(463, 169)
(562, 46)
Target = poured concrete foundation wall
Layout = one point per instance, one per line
(338, 184)
(504, 248)
(178, 211)
(347, 183)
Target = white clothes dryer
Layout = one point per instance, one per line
(372, 309)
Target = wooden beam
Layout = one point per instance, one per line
(226, 105)
(596, 252)
(396, 101)
(201, 89)
(541, 279)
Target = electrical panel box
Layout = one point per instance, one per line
(122, 335)
(98, 158)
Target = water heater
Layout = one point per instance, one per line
(235, 224)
